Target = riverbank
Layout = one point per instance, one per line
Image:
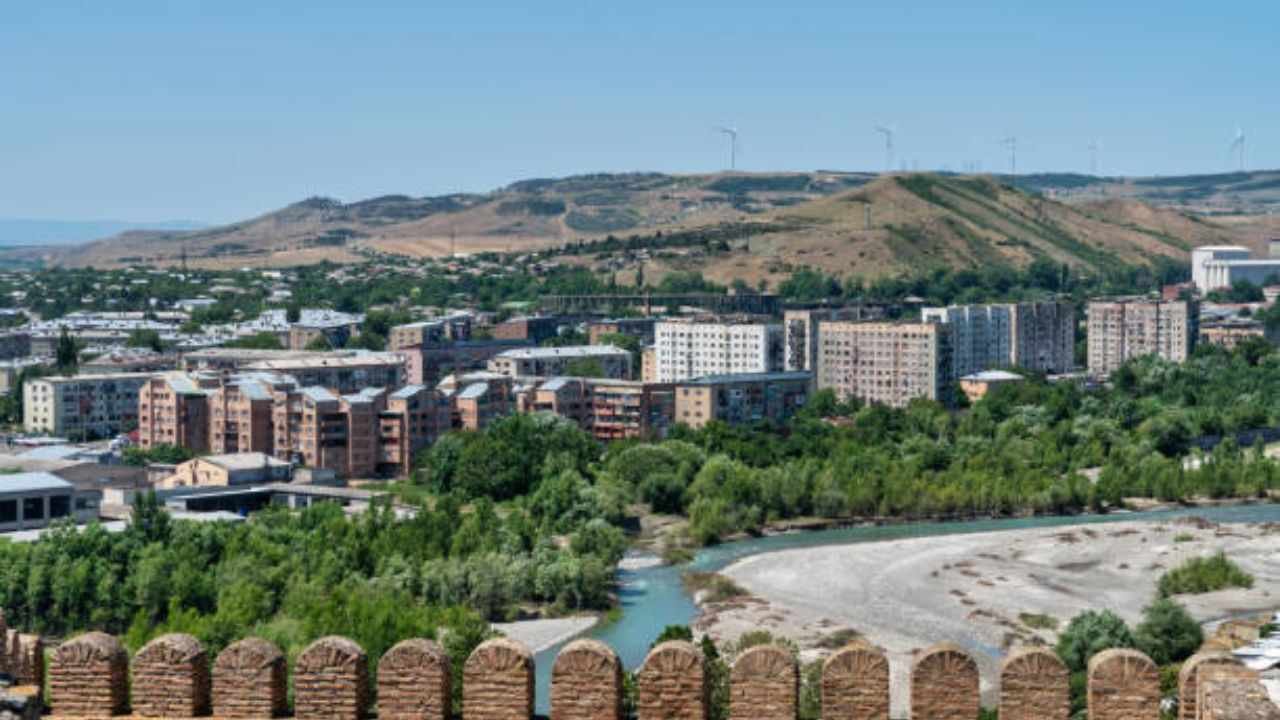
(986, 592)
(540, 635)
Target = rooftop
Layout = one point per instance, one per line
(473, 392)
(993, 376)
(304, 363)
(408, 391)
(244, 461)
(573, 351)
(32, 482)
(749, 378)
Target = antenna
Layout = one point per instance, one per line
(1237, 146)
(1093, 157)
(732, 132)
(1012, 143)
(887, 131)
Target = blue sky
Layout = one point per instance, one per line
(214, 111)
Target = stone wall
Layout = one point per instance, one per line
(497, 682)
(26, 660)
(171, 678)
(944, 684)
(1034, 685)
(1187, 680)
(414, 682)
(88, 677)
(331, 680)
(586, 682)
(764, 684)
(1123, 685)
(671, 684)
(855, 683)
(249, 681)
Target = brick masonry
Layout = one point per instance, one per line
(89, 677)
(1034, 685)
(764, 684)
(671, 685)
(855, 683)
(171, 678)
(1232, 692)
(331, 681)
(249, 681)
(944, 684)
(497, 682)
(586, 682)
(414, 682)
(1123, 685)
(1187, 677)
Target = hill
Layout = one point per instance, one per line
(1234, 193)
(764, 225)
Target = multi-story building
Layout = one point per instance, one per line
(1231, 334)
(173, 409)
(240, 413)
(426, 332)
(1125, 328)
(14, 344)
(608, 409)
(801, 327)
(640, 328)
(1035, 336)
(228, 360)
(342, 374)
(415, 417)
(429, 364)
(734, 399)
(82, 405)
(687, 349)
(887, 363)
(1218, 267)
(607, 360)
(533, 328)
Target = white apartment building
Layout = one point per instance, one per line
(1035, 336)
(684, 350)
(82, 405)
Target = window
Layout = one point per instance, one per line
(33, 508)
(8, 511)
(59, 506)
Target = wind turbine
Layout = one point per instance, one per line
(732, 132)
(1237, 146)
(887, 131)
(1094, 147)
(1011, 142)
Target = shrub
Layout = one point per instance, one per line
(1088, 634)
(1168, 633)
(1202, 575)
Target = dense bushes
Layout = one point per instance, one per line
(1202, 575)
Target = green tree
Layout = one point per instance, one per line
(149, 339)
(319, 343)
(257, 341)
(1168, 634)
(67, 354)
(1088, 634)
(293, 313)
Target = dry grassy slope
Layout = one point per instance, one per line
(528, 214)
(922, 221)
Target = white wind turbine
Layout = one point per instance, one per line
(887, 131)
(732, 132)
(1237, 146)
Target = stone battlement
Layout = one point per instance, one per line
(174, 677)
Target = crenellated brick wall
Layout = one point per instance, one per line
(172, 677)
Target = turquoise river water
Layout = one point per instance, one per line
(653, 597)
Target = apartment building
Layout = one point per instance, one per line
(347, 374)
(1230, 334)
(15, 344)
(608, 409)
(1125, 328)
(1035, 336)
(440, 330)
(887, 363)
(609, 361)
(687, 349)
(428, 364)
(479, 399)
(734, 399)
(82, 405)
(240, 413)
(801, 329)
(415, 417)
(640, 328)
(532, 328)
(173, 409)
(228, 360)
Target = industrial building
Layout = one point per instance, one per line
(1218, 267)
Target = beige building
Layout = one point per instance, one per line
(734, 399)
(82, 405)
(612, 362)
(1126, 328)
(687, 349)
(237, 469)
(801, 331)
(1230, 334)
(608, 409)
(887, 363)
(427, 332)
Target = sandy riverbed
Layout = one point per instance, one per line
(975, 590)
(539, 635)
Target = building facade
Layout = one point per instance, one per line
(737, 399)
(887, 363)
(684, 350)
(611, 362)
(639, 328)
(801, 328)
(173, 409)
(342, 374)
(82, 405)
(34, 500)
(1122, 329)
(1035, 336)
(608, 409)
(448, 329)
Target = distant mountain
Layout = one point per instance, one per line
(27, 232)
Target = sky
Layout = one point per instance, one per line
(216, 111)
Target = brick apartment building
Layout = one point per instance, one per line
(733, 399)
(532, 328)
(342, 374)
(887, 363)
(453, 328)
(608, 409)
(612, 362)
(640, 328)
(428, 364)
(1125, 328)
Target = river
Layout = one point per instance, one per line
(654, 597)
